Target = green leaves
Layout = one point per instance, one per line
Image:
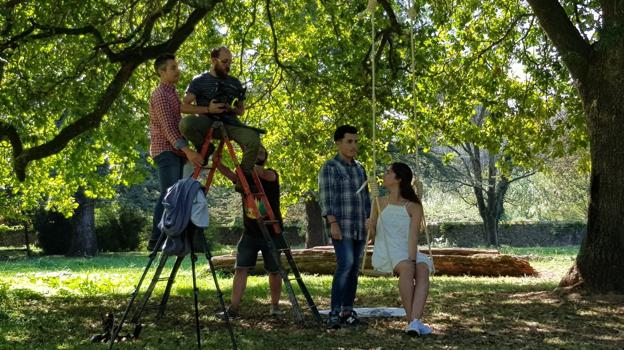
(307, 70)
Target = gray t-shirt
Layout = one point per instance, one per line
(206, 87)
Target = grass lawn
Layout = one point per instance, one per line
(56, 303)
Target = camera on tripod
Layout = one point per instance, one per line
(229, 94)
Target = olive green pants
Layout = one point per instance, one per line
(195, 127)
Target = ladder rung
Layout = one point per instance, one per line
(161, 279)
(152, 307)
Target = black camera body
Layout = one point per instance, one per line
(229, 94)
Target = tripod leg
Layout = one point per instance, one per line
(172, 275)
(152, 256)
(150, 288)
(219, 294)
(195, 290)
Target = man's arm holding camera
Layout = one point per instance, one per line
(240, 108)
(190, 107)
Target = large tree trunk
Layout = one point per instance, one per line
(491, 201)
(598, 69)
(314, 233)
(84, 241)
(490, 227)
(600, 261)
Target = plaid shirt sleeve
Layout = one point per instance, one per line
(326, 186)
(166, 118)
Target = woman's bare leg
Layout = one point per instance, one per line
(405, 270)
(421, 291)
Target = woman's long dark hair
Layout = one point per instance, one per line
(403, 172)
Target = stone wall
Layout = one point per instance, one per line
(512, 234)
(448, 234)
(15, 237)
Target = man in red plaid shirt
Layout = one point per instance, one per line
(168, 147)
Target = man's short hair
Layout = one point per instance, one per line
(340, 132)
(217, 51)
(266, 156)
(161, 61)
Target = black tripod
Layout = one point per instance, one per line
(191, 232)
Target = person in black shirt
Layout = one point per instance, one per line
(252, 240)
(215, 95)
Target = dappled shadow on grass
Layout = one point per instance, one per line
(465, 312)
(531, 320)
(498, 319)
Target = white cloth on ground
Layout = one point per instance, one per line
(375, 311)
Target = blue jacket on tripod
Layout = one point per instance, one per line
(184, 202)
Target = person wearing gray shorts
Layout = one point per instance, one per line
(252, 241)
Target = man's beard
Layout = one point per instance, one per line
(221, 72)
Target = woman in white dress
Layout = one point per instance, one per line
(395, 233)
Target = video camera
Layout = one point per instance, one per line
(229, 94)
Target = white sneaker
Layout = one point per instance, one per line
(424, 329)
(413, 328)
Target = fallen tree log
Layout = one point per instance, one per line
(448, 261)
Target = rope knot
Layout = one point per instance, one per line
(371, 6)
(374, 188)
(418, 187)
(412, 13)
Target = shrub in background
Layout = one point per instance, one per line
(119, 228)
(54, 232)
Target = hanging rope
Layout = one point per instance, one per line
(412, 14)
(372, 4)
(372, 180)
(374, 189)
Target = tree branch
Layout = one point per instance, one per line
(385, 34)
(150, 21)
(130, 59)
(574, 51)
(8, 131)
(502, 38)
(48, 31)
(244, 37)
(275, 44)
(523, 176)
(394, 23)
(80, 126)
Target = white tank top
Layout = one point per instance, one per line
(391, 240)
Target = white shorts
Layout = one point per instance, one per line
(387, 264)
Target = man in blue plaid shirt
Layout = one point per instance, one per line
(345, 205)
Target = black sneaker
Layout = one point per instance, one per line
(333, 321)
(231, 312)
(352, 319)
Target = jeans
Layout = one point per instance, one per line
(169, 172)
(348, 256)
